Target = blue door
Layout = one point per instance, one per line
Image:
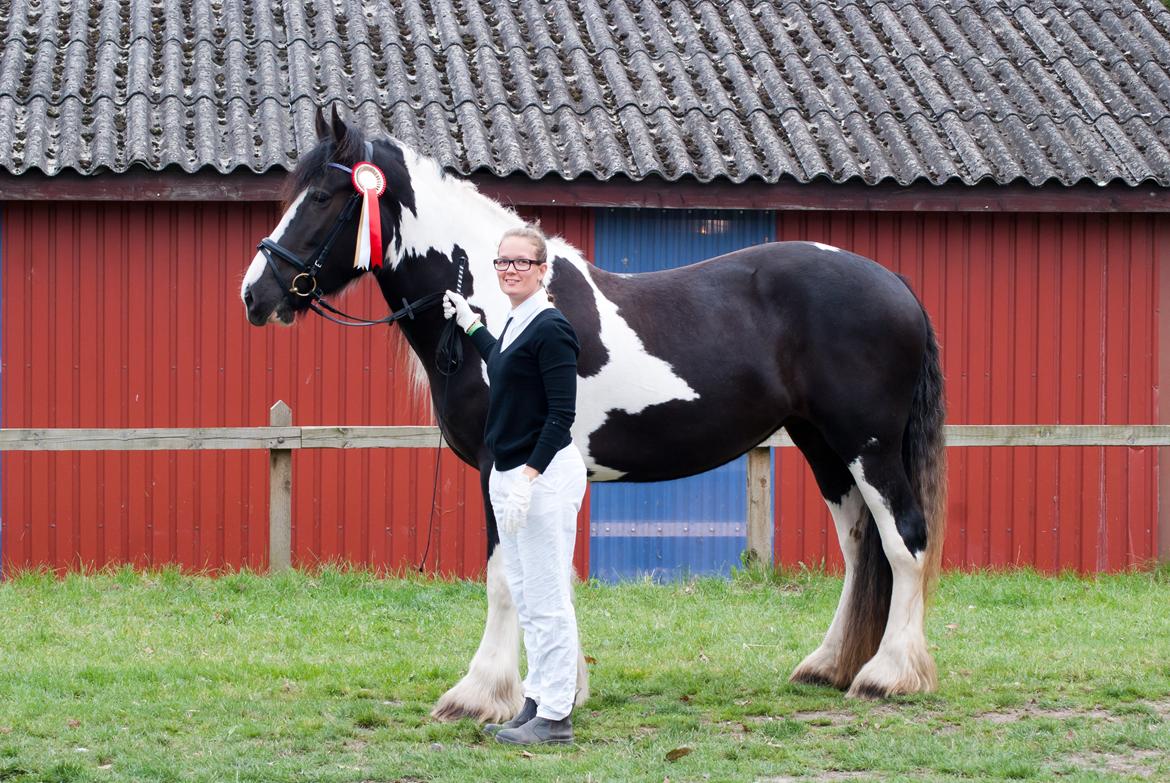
(671, 529)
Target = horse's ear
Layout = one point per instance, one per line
(332, 127)
(340, 129)
(322, 125)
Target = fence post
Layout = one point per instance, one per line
(279, 495)
(759, 489)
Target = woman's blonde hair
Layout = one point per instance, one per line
(533, 234)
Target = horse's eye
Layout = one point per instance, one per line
(320, 196)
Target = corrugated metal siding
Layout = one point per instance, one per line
(1042, 318)
(694, 525)
(127, 315)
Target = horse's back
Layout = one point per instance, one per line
(800, 283)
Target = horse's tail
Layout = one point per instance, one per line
(924, 453)
(925, 460)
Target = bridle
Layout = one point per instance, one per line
(304, 283)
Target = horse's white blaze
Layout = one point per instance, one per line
(823, 246)
(902, 663)
(846, 518)
(452, 212)
(256, 268)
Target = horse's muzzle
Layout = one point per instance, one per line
(263, 313)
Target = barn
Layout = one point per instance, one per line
(1011, 159)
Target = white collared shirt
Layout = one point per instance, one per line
(523, 314)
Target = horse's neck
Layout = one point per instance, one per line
(454, 397)
(450, 212)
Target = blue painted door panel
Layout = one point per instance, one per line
(698, 525)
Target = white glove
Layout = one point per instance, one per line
(516, 506)
(455, 305)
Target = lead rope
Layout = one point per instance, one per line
(448, 360)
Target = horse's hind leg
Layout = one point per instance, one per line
(827, 665)
(902, 663)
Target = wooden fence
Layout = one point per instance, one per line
(280, 438)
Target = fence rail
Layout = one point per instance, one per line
(280, 439)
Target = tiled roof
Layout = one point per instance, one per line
(872, 90)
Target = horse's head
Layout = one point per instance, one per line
(310, 253)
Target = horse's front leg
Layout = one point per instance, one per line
(491, 689)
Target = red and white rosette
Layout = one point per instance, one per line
(369, 180)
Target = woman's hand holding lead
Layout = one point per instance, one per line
(516, 506)
(456, 306)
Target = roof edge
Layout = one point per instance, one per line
(621, 191)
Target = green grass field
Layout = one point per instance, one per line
(330, 677)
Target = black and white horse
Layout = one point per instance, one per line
(680, 371)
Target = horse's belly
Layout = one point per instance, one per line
(673, 440)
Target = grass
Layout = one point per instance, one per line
(330, 677)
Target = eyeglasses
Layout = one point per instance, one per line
(521, 264)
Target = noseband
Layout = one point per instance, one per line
(304, 283)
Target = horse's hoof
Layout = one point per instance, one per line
(867, 690)
(472, 697)
(812, 677)
(888, 675)
(819, 669)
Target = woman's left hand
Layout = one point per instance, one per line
(455, 306)
(516, 506)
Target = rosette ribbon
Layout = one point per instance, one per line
(369, 180)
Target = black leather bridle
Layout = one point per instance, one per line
(304, 283)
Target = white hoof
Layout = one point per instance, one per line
(482, 698)
(894, 673)
(820, 668)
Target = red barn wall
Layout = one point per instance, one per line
(1042, 318)
(128, 315)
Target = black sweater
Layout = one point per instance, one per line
(532, 398)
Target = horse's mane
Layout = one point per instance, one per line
(312, 166)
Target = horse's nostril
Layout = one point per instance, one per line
(248, 297)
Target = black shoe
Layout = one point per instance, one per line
(539, 731)
(526, 713)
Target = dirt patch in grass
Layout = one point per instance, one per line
(735, 729)
(824, 717)
(828, 776)
(1013, 714)
(1138, 763)
(1020, 713)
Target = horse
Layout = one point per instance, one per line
(679, 372)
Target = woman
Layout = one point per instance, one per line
(538, 478)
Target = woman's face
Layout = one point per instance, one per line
(519, 285)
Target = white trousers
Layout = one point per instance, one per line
(538, 564)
